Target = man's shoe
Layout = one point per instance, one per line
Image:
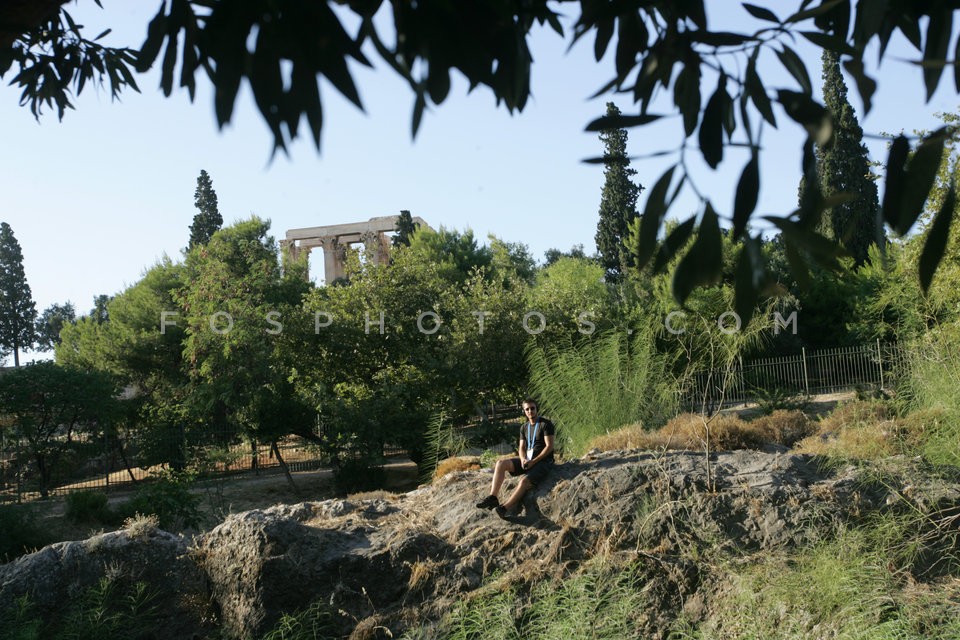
(490, 502)
(505, 513)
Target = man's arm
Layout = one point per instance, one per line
(547, 450)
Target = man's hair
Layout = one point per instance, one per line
(529, 400)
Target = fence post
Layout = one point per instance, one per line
(806, 378)
(106, 462)
(880, 363)
(19, 471)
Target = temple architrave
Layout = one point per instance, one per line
(335, 238)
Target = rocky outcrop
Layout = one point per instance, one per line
(59, 575)
(392, 562)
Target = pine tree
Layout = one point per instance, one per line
(618, 200)
(18, 312)
(405, 228)
(844, 167)
(208, 220)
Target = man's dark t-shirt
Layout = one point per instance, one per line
(534, 433)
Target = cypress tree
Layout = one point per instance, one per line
(843, 166)
(618, 200)
(405, 229)
(18, 312)
(208, 220)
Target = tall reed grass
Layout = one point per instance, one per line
(603, 383)
(932, 382)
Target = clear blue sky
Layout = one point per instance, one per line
(96, 199)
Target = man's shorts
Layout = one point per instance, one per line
(536, 473)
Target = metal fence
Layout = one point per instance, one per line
(808, 373)
(96, 464)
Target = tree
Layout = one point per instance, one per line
(17, 309)
(843, 169)
(208, 219)
(618, 200)
(406, 227)
(100, 313)
(457, 253)
(234, 296)
(487, 43)
(51, 322)
(49, 405)
(552, 255)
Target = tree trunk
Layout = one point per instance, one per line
(126, 463)
(286, 469)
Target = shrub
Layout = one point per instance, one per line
(777, 399)
(166, 495)
(89, 506)
(598, 386)
(351, 476)
(858, 430)
(784, 427)
(688, 431)
(20, 531)
(450, 465)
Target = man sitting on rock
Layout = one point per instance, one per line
(534, 463)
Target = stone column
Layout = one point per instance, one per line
(333, 266)
(383, 248)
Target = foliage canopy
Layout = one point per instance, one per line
(282, 48)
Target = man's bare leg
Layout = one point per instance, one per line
(499, 473)
(522, 487)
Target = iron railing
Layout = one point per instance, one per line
(867, 367)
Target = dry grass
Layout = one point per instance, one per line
(863, 429)
(727, 432)
(785, 427)
(141, 526)
(450, 465)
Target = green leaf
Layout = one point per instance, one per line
(761, 13)
(711, 126)
(824, 7)
(652, 218)
(686, 95)
(604, 33)
(938, 40)
(798, 266)
(418, 106)
(169, 61)
(151, 46)
(676, 240)
(806, 111)
(749, 276)
(936, 242)
(702, 265)
(866, 85)
(748, 191)
(793, 64)
(956, 66)
(720, 38)
(606, 123)
(438, 82)
(894, 184)
(823, 250)
(829, 42)
(921, 173)
(757, 91)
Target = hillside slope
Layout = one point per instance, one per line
(391, 564)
